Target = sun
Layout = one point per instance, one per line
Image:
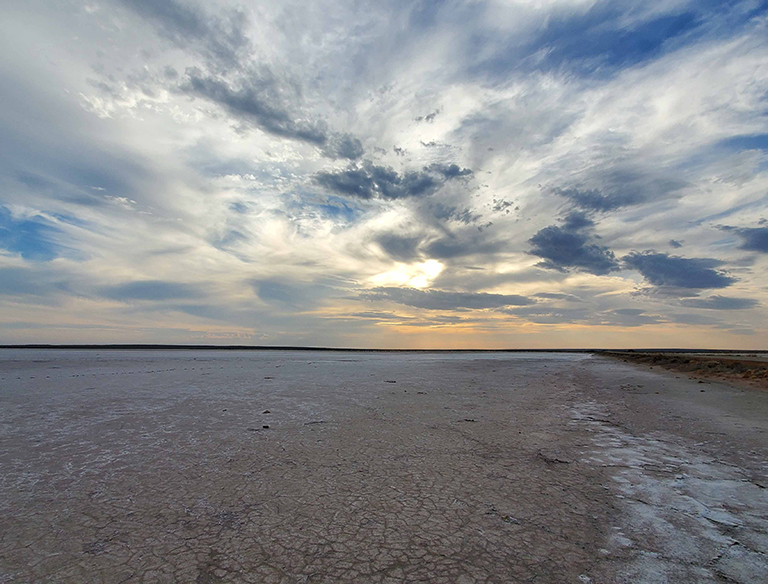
(419, 275)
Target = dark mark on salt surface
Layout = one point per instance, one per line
(551, 458)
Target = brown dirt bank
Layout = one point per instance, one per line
(722, 367)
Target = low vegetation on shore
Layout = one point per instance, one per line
(726, 366)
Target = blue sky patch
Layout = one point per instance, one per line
(338, 208)
(32, 238)
(746, 142)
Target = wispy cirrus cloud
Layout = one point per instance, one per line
(259, 169)
(442, 300)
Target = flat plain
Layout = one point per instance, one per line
(315, 466)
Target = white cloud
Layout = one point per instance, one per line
(140, 182)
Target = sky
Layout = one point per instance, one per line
(385, 174)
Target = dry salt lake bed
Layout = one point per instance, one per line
(311, 466)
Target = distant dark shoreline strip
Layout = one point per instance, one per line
(155, 347)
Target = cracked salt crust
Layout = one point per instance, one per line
(693, 517)
(140, 467)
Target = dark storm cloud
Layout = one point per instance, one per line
(752, 238)
(221, 39)
(569, 246)
(261, 103)
(368, 181)
(150, 290)
(720, 303)
(441, 300)
(661, 269)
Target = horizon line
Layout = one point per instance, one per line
(188, 347)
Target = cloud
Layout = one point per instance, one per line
(261, 102)
(447, 245)
(221, 38)
(661, 269)
(404, 249)
(369, 181)
(150, 290)
(570, 246)
(343, 146)
(37, 282)
(620, 317)
(449, 171)
(550, 314)
(558, 296)
(118, 159)
(720, 303)
(622, 188)
(454, 246)
(379, 316)
(446, 213)
(442, 300)
(502, 205)
(753, 238)
(296, 295)
(430, 117)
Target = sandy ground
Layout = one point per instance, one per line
(157, 467)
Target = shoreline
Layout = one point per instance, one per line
(730, 367)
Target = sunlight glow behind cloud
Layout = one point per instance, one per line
(495, 174)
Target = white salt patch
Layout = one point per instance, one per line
(686, 516)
